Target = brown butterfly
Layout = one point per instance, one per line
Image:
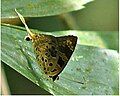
(52, 53)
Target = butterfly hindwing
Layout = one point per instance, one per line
(66, 46)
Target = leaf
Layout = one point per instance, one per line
(40, 8)
(90, 70)
(101, 39)
(110, 39)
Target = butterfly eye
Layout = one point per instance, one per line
(27, 38)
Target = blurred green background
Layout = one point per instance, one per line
(100, 15)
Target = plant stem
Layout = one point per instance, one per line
(4, 84)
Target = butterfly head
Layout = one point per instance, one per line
(34, 37)
(30, 36)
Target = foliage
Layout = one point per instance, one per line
(91, 70)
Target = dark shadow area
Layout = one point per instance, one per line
(19, 85)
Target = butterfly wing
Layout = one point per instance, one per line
(66, 46)
(53, 53)
(46, 50)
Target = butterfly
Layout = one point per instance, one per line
(52, 53)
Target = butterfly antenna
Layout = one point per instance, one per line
(23, 21)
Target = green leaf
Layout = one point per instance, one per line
(101, 39)
(110, 39)
(40, 8)
(90, 70)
